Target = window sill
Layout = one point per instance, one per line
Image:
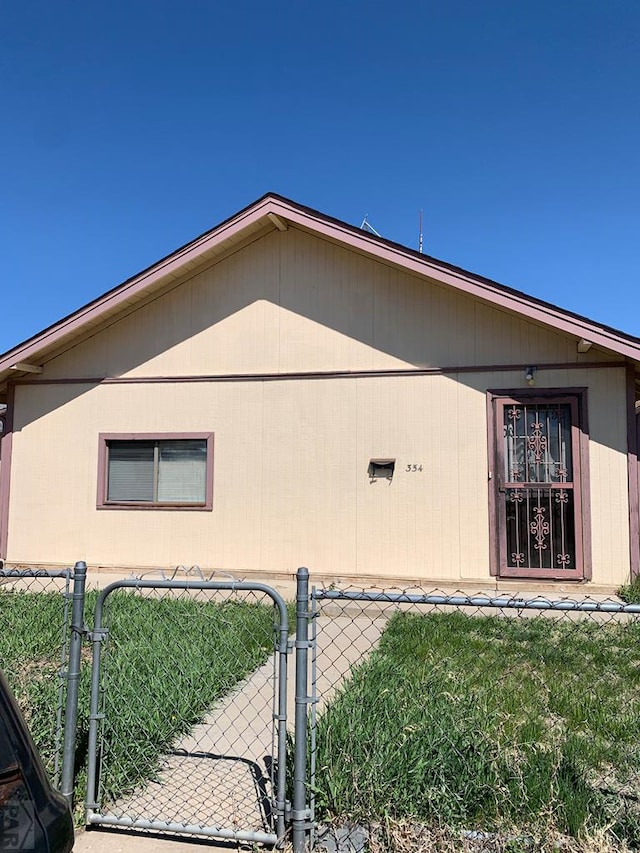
(151, 506)
(530, 574)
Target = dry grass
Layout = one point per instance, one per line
(396, 836)
(403, 837)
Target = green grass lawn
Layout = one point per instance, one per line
(166, 661)
(490, 724)
(30, 657)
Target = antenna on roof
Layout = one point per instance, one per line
(367, 226)
(420, 234)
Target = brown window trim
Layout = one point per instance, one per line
(581, 393)
(103, 455)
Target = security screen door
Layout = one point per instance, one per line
(539, 500)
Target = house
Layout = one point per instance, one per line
(288, 389)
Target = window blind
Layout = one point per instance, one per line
(131, 476)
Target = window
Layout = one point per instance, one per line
(163, 471)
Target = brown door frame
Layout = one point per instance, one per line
(580, 444)
(5, 471)
(633, 465)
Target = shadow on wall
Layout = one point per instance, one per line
(332, 307)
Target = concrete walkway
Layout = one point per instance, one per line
(220, 773)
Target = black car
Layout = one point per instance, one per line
(33, 816)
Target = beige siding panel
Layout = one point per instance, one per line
(55, 478)
(309, 475)
(328, 298)
(219, 321)
(431, 523)
(290, 479)
(291, 302)
(422, 325)
(609, 476)
(399, 521)
(291, 484)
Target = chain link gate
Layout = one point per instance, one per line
(188, 715)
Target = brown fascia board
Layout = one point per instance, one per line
(334, 230)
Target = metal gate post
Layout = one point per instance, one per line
(97, 636)
(313, 722)
(73, 678)
(300, 811)
(282, 647)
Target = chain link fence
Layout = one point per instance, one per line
(35, 622)
(474, 717)
(416, 718)
(42, 617)
(189, 708)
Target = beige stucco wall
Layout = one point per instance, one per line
(290, 475)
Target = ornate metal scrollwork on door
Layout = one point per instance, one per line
(539, 496)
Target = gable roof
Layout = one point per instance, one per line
(271, 212)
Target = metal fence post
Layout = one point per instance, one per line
(97, 636)
(300, 812)
(73, 678)
(282, 650)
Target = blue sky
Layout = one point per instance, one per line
(129, 128)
